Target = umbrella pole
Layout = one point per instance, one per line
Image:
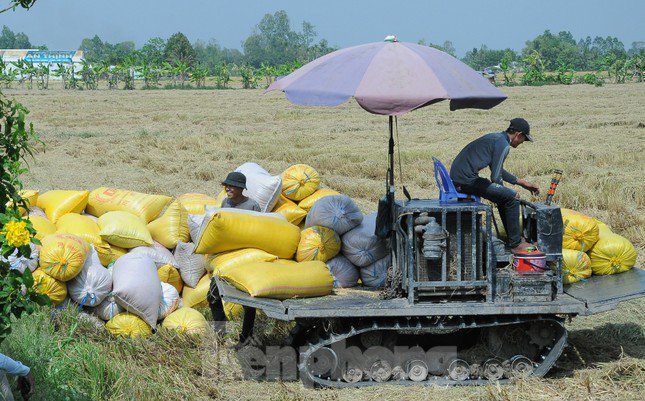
(391, 157)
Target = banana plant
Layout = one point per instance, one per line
(181, 70)
(222, 76)
(7, 75)
(21, 68)
(128, 73)
(198, 76)
(43, 72)
(61, 72)
(87, 75)
(169, 71)
(249, 78)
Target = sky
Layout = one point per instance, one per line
(62, 24)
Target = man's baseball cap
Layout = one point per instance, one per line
(521, 125)
(235, 179)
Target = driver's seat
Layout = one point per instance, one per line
(447, 190)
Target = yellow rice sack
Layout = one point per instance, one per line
(56, 290)
(308, 202)
(147, 207)
(318, 243)
(612, 254)
(186, 320)
(42, 226)
(57, 203)
(603, 229)
(233, 259)
(576, 266)
(62, 255)
(196, 297)
(292, 212)
(172, 227)
(230, 230)
(285, 261)
(124, 229)
(115, 253)
(169, 274)
(30, 196)
(299, 181)
(233, 311)
(128, 325)
(281, 281)
(194, 203)
(88, 229)
(580, 231)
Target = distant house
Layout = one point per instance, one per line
(39, 57)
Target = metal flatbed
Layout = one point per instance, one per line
(595, 295)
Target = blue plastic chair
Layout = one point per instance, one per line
(447, 190)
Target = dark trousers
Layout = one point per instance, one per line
(507, 204)
(219, 316)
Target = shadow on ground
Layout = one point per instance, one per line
(607, 343)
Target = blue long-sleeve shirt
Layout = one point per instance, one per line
(489, 150)
(13, 367)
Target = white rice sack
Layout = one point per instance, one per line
(169, 300)
(136, 286)
(261, 186)
(191, 266)
(157, 252)
(93, 284)
(36, 211)
(344, 272)
(194, 225)
(375, 274)
(107, 309)
(21, 263)
(361, 246)
(339, 213)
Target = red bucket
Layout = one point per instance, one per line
(531, 260)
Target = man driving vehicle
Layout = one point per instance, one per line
(490, 151)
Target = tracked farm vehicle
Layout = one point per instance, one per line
(462, 316)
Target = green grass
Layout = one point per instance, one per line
(74, 358)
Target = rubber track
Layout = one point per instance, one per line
(417, 325)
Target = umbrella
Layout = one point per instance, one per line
(389, 78)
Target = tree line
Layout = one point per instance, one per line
(273, 49)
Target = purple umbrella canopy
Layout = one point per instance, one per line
(389, 78)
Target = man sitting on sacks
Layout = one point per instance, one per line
(234, 185)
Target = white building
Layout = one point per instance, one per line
(39, 57)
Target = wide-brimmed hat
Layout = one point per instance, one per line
(235, 179)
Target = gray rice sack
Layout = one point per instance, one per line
(344, 272)
(93, 284)
(374, 275)
(339, 213)
(361, 246)
(107, 309)
(191, 266)
(157, 252)
(136, 286)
